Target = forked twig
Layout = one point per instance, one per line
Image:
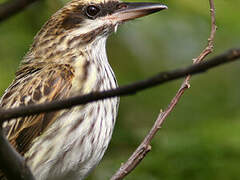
(17, 164)
(130, 89)
(14, 166)
(145, 147)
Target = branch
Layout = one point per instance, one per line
(12, 164)
(17, 164)
(12, 7)
(145, 147)
(130, 89)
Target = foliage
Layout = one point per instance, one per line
(200, 139)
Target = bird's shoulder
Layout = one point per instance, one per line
(34, 84)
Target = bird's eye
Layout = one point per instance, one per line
(92, 11)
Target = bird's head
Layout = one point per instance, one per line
(82, 22)
(101, 17)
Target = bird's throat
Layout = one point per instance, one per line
(92, 68)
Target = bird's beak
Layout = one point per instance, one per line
(128, 11)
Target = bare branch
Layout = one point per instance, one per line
(158, 79)
(12, 7)
(12, 164)
(143, 148)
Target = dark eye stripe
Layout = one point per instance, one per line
(76, 17)
(105, 8)
(71, 21)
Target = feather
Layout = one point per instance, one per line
(35, 85)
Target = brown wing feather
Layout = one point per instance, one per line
(35, 85)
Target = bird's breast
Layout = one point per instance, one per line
(85, 130)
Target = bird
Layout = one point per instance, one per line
(68, 58)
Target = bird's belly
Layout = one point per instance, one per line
(84, 136)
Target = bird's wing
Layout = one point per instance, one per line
(34, 85)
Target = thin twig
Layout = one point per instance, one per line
(130, 89)
(144, 147)
(10, 159)
(10, 8)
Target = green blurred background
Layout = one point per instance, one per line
(201, 137)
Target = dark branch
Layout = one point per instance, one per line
(12, 7)
(161, 78)
(12, 164)
(145, 147)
